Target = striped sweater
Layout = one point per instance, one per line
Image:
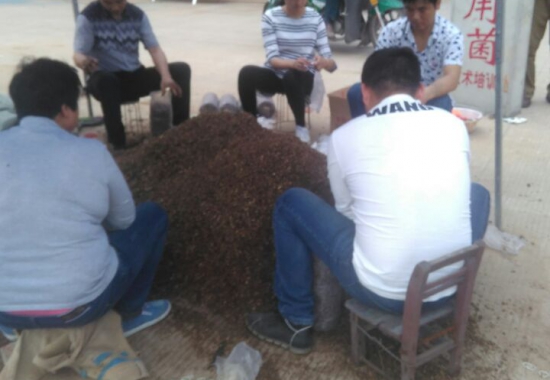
(291, 38)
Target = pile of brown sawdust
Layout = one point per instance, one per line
(218, 176)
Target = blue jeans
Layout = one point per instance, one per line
(304, 223)
(443, 102)
(139, 249)
(331, 10)
(357, 107)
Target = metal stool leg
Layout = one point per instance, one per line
(308, 120)
(131, 114)
(284, 112)
(140, 119)
(128, 118)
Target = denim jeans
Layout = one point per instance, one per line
(443, 102)
(331, 10)
(139, 249)
(357, 108)
(304, 223)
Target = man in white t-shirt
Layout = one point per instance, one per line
(401, 183)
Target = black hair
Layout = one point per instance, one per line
(434, 2)
(392, 70)
(42, 86)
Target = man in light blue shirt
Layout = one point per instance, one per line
(106, 47)
(72, 243)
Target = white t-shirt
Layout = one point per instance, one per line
(401, 173)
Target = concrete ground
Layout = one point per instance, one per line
(512, 294)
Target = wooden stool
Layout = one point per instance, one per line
(417, 337)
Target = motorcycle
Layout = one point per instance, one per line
(356, 19)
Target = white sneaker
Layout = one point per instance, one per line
(303, 134)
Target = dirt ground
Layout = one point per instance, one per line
(509, 337)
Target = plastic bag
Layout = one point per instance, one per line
(229, 103)
(318, 93)
(209, 104)
(160, 112)
(321, 145)
(243, 363)
(266, 107)
(266, 123)
(503, 241)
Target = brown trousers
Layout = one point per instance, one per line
(541, 16)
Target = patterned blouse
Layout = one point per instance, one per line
(445, 45)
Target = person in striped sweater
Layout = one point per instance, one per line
(296, 45)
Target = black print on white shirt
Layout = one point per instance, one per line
(400, 107)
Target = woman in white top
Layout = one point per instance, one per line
(292, 35)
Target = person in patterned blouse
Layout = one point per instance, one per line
(437, 43)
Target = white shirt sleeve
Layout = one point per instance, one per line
(321, 45)
(270, 38)
(122, 210)
(342, 198)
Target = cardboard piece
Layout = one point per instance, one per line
(339, 108)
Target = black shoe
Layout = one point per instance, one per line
(548, 97)
(526, 103)
(273, 328)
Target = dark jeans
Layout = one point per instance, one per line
(297, 85)
(357, 107)
(139, 249)
(304, 223)
(113, 89)
(331, 10)
(353, 22)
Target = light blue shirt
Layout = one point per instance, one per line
(114, 43)
(57, 191)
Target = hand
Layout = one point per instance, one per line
(88, 64)
(424, 97)
(425, 94)
(301, 64)
(168, 82)
(321, 63)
